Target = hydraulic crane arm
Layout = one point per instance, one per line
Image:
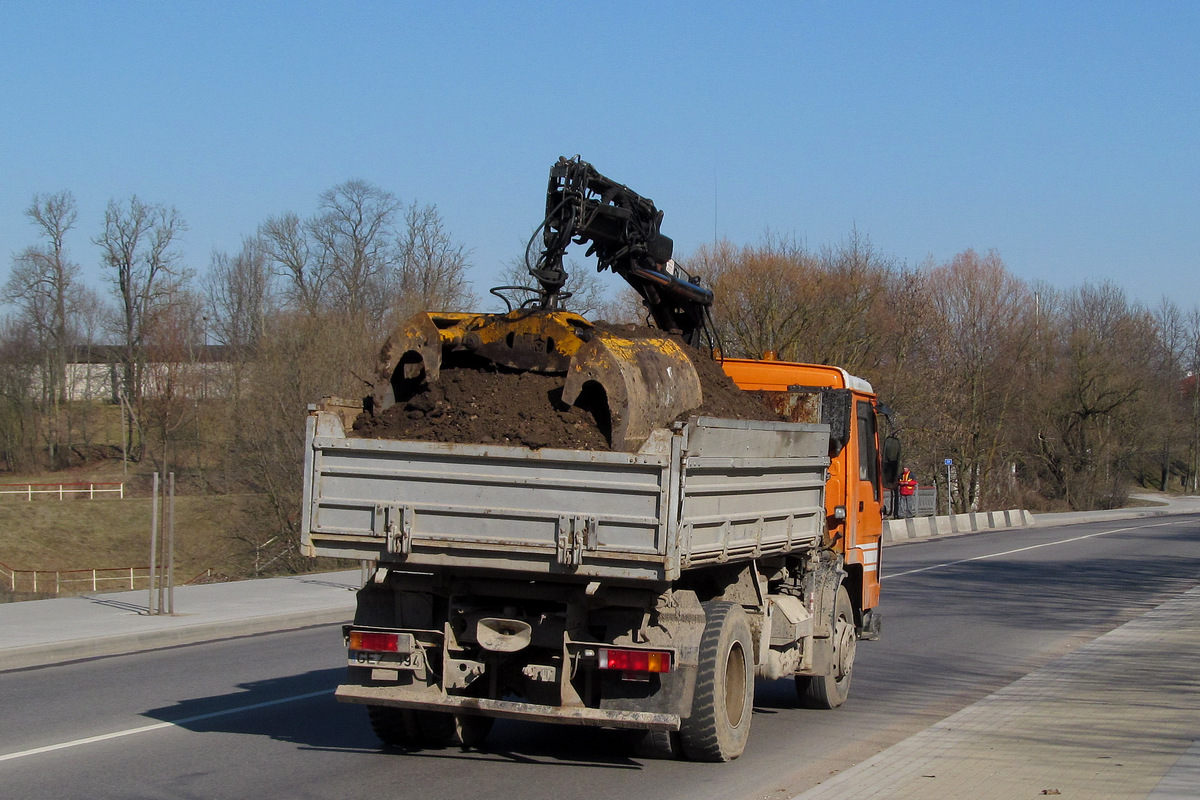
(622, 230)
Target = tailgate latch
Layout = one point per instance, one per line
(575, 534)
(397, 527)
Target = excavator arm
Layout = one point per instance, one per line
(622, 229)
(644, 382)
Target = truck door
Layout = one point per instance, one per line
(865, 516)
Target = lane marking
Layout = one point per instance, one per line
(104, 737)
(1023, 549)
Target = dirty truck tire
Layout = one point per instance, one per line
(657, 745)
(402, 727)
(723, 703)
(831, 689)
(473, 730)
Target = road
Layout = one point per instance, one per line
(254, 717)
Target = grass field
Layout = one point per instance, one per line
(113, 533)
(48, 534)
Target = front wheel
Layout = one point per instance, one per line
(723, 702)
(831, 689)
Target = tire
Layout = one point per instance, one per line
(657, 745)
(472, 730)
(832, 689)
(408, 729)
(723, 703)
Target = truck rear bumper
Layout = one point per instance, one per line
(395, 697)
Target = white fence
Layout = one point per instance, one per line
(62, 490)
(74, 581)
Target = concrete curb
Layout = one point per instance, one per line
(914, 528)
(122, 644)
(896, 531)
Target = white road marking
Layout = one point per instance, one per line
(1023, 549)
(159, 725)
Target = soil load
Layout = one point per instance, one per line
(481, 403)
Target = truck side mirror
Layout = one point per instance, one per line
(891, 461)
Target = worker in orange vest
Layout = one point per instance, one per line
(908, 494)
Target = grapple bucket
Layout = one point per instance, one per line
(539, 341)
(647, 382)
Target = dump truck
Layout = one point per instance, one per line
(644, 586)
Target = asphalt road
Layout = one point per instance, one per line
(254, 717)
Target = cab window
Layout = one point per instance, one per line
(868, 459)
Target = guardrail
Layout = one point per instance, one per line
(63, 490)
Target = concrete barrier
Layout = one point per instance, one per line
(903, 530)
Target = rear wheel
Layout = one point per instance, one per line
(663, 745)
(403, 727)
(831, 689)
(723, 702)
(472, 729)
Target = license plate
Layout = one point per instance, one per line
(363, 658)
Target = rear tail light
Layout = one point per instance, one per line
(635, 660)
(374, 642)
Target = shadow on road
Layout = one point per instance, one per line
(301, 710)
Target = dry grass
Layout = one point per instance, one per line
(49, 534)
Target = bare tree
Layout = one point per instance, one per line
(139, 250)
(432, 267)
(240, 292)
(967, 387)
(286, 246)
(353, 237)
(1090, 421)
(43, 287)
(18, 364)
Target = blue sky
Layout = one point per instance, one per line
(1064, 135)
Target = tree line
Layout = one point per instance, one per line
(1042, 397)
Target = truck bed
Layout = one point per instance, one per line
(708, 491)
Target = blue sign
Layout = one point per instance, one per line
(949, 462)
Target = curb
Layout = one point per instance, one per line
(124, 644)
(896, 531)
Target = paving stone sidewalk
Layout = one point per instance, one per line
(1118, 718)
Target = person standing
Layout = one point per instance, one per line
(908, 494)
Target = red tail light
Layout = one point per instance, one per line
(635, 660)
(374, 642)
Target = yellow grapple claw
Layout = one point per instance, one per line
(647, 382)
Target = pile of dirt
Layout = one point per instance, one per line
(482, 403)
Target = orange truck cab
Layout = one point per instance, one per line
(854, 500)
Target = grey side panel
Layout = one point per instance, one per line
(752, 489)
(721, 490)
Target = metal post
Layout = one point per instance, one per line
(171, 545)
(949, 510)
(150, 606)
(162, 567)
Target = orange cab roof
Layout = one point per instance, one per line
(777, 376)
